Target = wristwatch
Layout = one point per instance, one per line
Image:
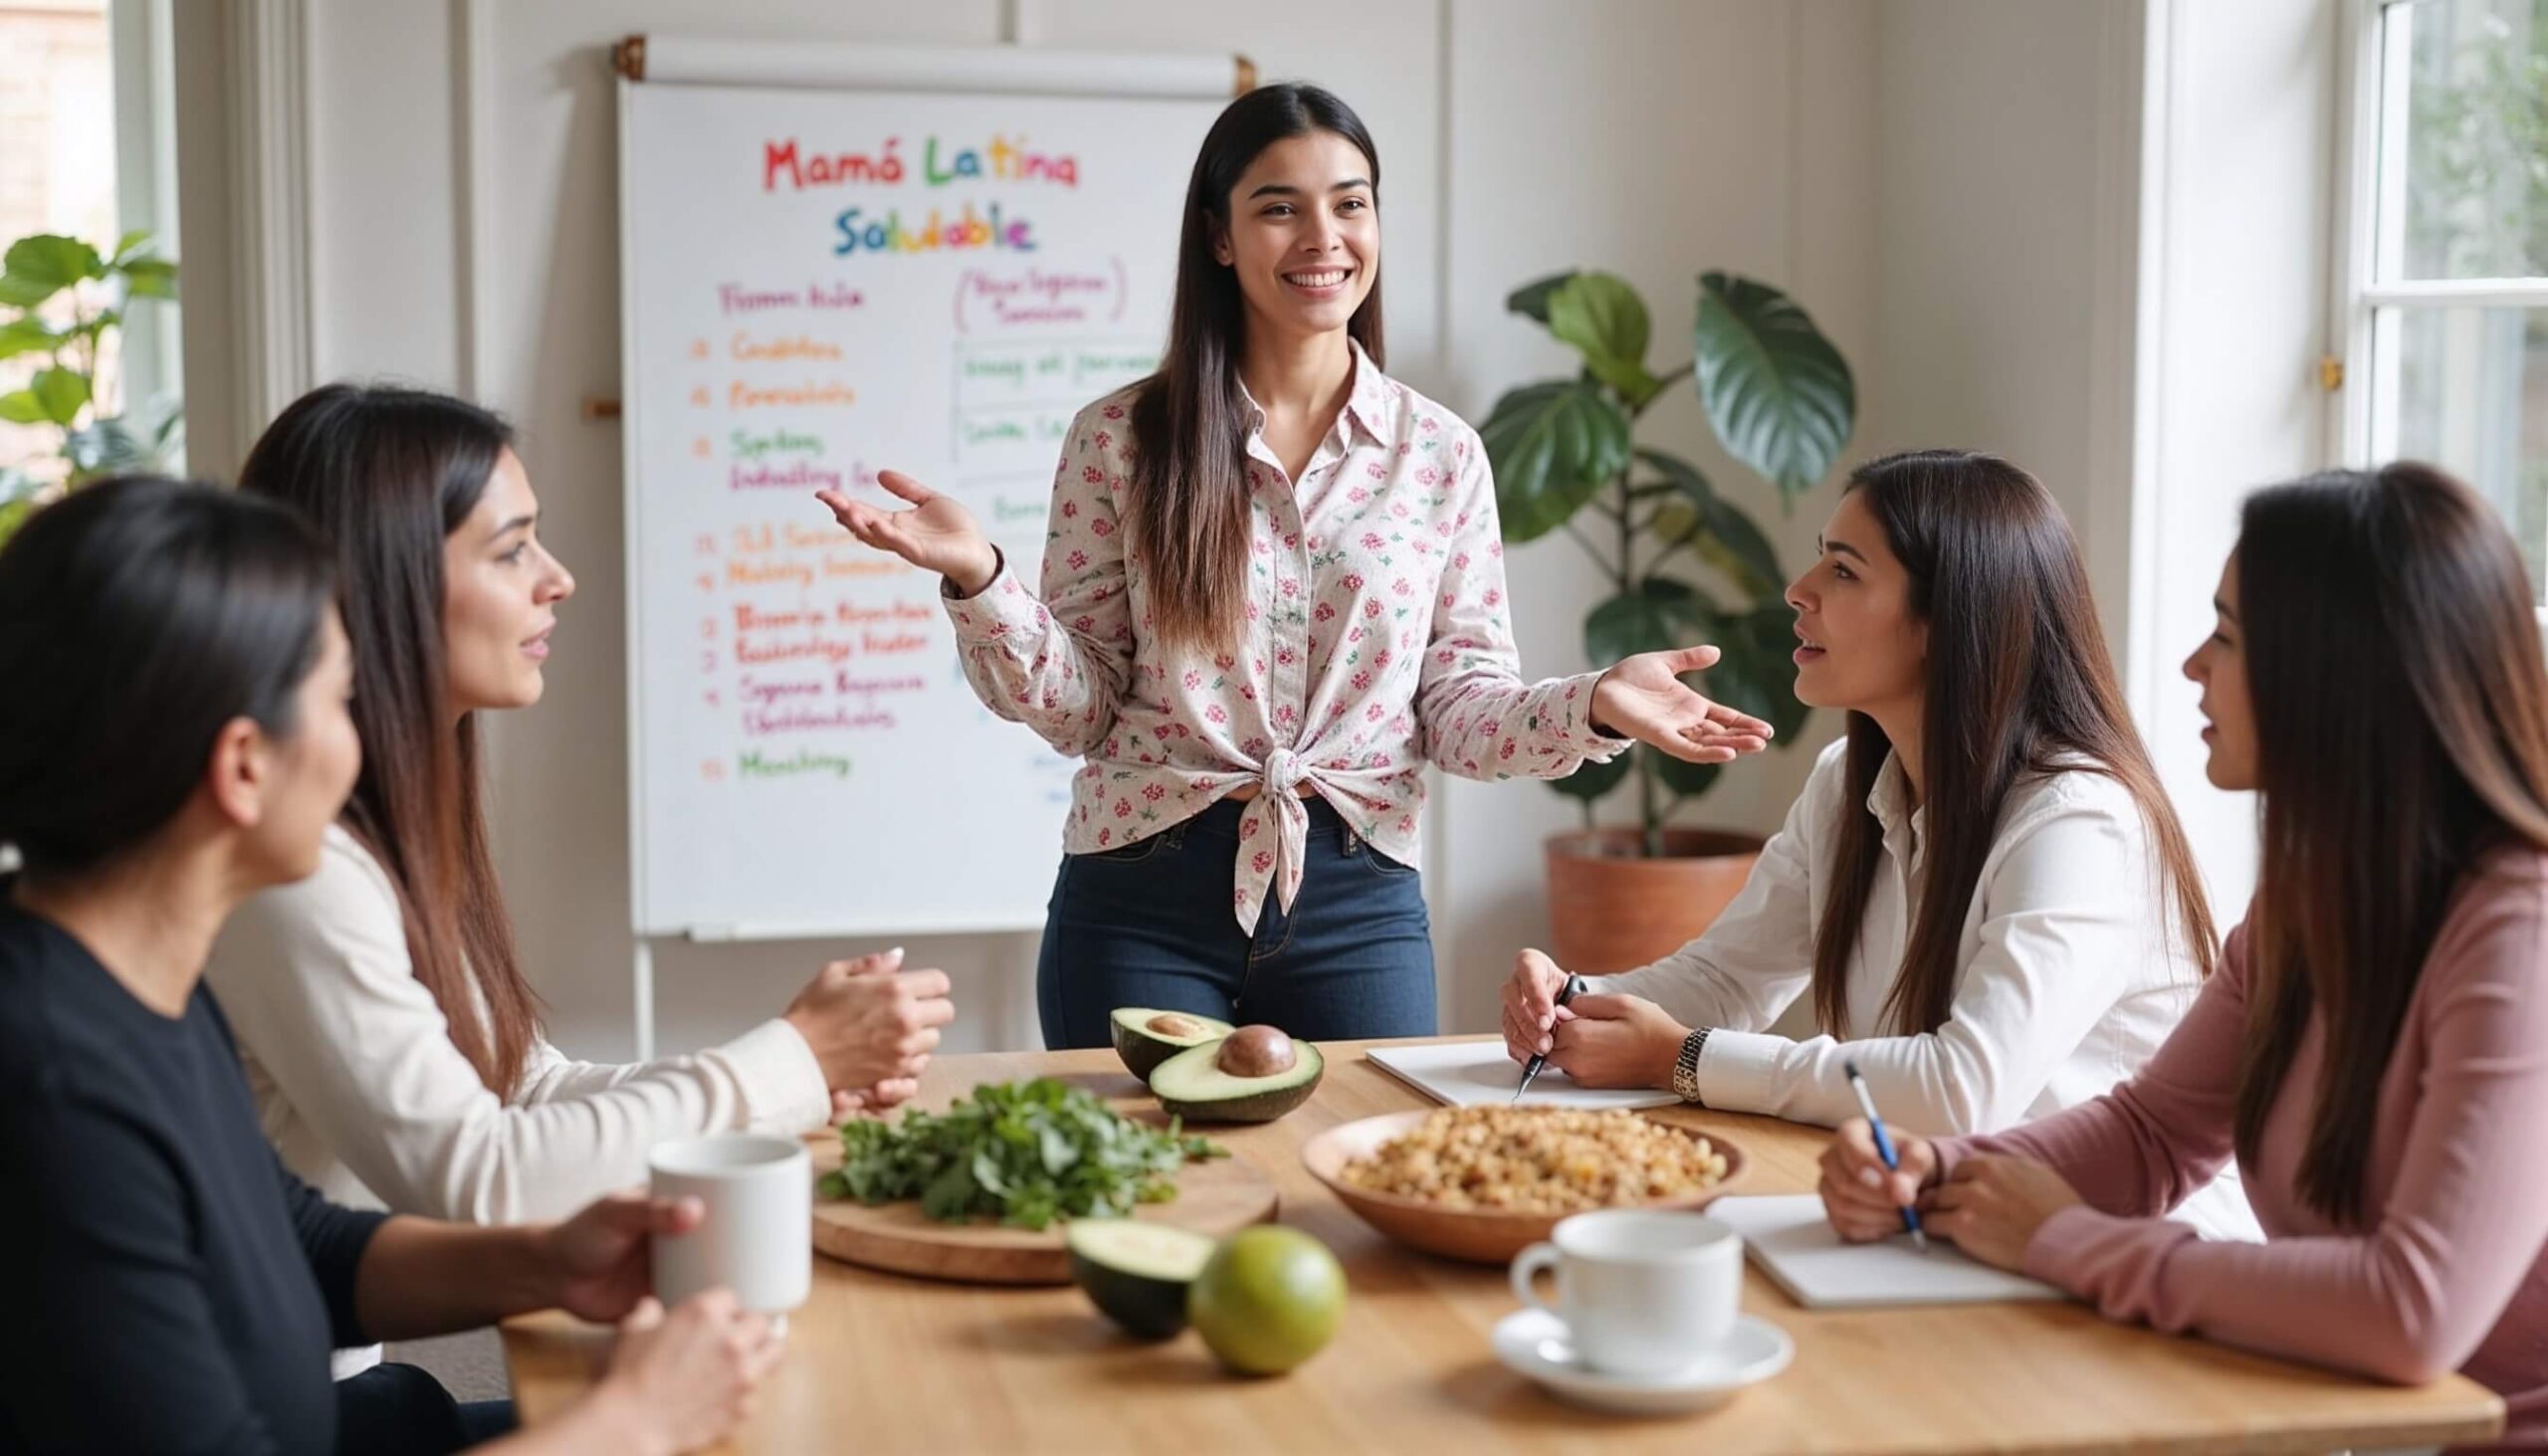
(1685, 1068)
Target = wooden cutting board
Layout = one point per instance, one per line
(1219, 1197)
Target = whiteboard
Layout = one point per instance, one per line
(819, 283)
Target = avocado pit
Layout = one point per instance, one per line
(1257, 1051)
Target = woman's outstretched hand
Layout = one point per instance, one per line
(1643, 698)
(937, 534)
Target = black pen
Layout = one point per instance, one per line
(1530, 1068)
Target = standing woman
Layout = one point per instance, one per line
(1273, 590)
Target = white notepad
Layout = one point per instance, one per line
(1468, 1072)
(1787, 1235)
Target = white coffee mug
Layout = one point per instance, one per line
(1642, 1292)
(759, 1236)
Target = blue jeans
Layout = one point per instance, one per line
(1151, 924)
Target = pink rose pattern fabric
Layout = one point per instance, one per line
(1378, 638)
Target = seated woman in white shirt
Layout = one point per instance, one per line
(1982, 889)
(391, 1039)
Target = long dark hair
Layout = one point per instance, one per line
(385, 473)
(2402, 733)
(1189, 491)
(2018, 679)
(138, 617)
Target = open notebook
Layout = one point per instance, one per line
(1787, 1235)
(1467, 1073)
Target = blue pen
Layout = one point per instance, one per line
(1884, 1150)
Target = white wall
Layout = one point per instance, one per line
(1999, 126)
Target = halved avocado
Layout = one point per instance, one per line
(1136, 1273)
(1144, 1038)
(1218, 1082)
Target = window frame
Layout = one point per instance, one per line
(141, 47)
(2365, 311)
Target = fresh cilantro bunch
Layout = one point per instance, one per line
(1026, 1153)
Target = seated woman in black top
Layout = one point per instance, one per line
(173, 739)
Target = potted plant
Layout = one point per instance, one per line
(62, 298)
(1781, 401)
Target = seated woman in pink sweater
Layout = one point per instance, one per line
(2374, 1048)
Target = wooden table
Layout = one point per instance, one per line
(883, 1364)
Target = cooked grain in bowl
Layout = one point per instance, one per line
(1538, 1161)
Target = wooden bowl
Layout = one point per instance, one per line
(1478, 1235)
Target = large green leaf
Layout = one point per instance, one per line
(150, 278)
(60, 393)
(1736, 547)
(1726, 538)
(1678, 474)
(25, 336)
(1531, 300)
(36, 268)
(1757, 675)
(1778, 393)
(1554, 447)
(1603, 317)
(1683, 777)
(1657, 615)
(1592, 780)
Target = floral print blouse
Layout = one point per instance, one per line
(1378, 638)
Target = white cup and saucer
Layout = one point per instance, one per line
(1649, 1314)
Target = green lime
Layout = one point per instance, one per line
(1269, 1298)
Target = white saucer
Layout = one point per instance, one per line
(1534, 1342)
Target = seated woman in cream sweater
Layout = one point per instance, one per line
(392, 1041)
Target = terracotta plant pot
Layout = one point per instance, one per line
(1614, 910)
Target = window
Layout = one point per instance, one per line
(86, 149)
(57, 149)
(2443, 276)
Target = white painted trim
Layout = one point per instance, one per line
(473, 44)
(2114, 396)
(273, 346)
(640, 916)
(1029, 70)
(2353, 228)
(2459, 292)
(145, 94)
(2163, 38)
(641, 993)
